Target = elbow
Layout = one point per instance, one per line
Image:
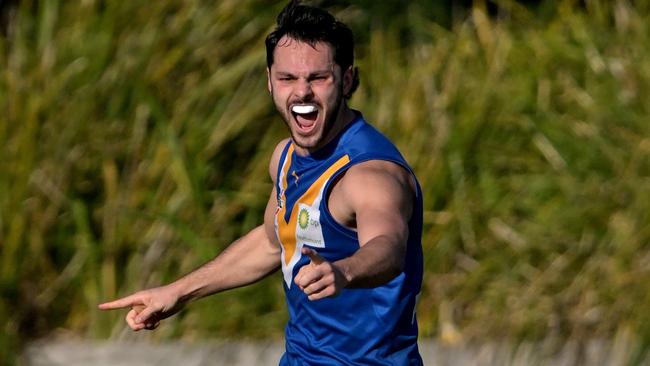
(396, 260)
(395, 269)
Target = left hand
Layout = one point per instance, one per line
(320, 278)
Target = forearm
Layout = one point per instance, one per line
(375, 263)
(245, 261)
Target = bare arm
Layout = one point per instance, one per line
(378, 196)
(247, 260)
(381, 196)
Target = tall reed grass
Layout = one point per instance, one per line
(135, 139)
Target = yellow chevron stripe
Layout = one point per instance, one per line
(287, 230)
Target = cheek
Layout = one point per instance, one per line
(326, 92)
(278, 95)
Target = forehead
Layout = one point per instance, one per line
(296, 56)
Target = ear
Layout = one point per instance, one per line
(268, 80)
(348, 77)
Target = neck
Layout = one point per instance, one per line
(345, 116)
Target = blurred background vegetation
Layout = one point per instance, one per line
(135, 137)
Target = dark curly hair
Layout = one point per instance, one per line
(312, 25)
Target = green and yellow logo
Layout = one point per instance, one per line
(303, 218)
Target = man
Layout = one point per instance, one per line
(343, 221)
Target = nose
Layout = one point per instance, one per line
(303, 89)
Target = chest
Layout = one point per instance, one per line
(304, 193)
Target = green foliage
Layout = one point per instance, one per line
(135, 139)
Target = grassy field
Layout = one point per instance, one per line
(135, 137)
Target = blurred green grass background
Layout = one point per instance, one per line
(135, 137)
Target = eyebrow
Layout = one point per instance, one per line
(311, 74)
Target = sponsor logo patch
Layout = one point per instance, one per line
(303, 218)
(309, 231)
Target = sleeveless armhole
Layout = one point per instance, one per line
(360, 159)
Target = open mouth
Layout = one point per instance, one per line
(305, 115)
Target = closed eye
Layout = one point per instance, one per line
(319, 78)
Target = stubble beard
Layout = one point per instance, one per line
(328, 124)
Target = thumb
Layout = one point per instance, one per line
(146, 313)
(313, 255)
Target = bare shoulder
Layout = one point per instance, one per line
(378, 174)
(275, 158)
(378, 184)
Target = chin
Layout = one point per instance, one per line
(306, 142)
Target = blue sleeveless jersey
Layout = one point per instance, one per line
(375, 326)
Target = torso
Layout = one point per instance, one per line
(313, 211)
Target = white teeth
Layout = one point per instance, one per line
(303, 109)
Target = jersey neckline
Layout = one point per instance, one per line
(326, 151)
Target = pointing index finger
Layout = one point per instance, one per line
(124, 302)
